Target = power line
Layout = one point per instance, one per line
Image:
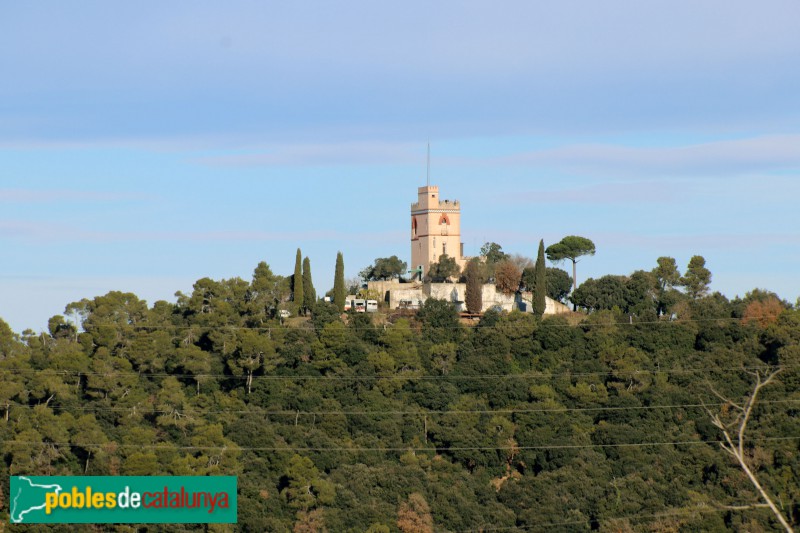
(288, 412)
(356, 449)
(402, 377)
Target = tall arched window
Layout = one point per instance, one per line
(413, 227)
(444, 222)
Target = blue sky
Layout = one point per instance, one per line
(143, 146)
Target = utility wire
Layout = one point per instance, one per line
(357, 449)
(402, 377)
(287, 412)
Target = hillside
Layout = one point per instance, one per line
(421, 423)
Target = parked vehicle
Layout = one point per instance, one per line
(360, 305)
(409, 304)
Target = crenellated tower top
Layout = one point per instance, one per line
(428, 198)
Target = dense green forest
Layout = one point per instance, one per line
(610, 420)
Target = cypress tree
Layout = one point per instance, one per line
(297, 282)
(474, 295)
(540, 283)
(309, 294)
(338, 283)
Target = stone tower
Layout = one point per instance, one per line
(435, 229)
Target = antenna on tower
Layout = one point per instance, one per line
(429, 164)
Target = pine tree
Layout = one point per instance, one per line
(540, 283)
(297, 282)
(697, 278)
(570, 247)
(309, 294)
(338, 283)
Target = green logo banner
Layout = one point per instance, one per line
(122, 500)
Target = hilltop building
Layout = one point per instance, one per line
(398, 295)
(435, 229)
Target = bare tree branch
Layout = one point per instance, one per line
(737, 449)
(723, 398)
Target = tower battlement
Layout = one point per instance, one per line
(444, 205)
(428, 198)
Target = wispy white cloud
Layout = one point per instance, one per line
(624, 162)
(338, 153)
(40, 231)
(293, 70)
(740, 156)
(156, 142)
(20, 229)
(700, 241)
(454, 37)
(36, 196)
(631, 192)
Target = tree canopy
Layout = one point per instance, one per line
(492, 254)
(559, 283)
(445, 269)
(507, 276)
(571, 247)
(697, 277)
(384, 268)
